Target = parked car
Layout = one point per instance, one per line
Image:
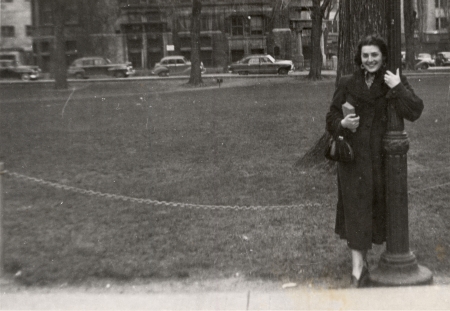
(174, 65)
(422, 61)
(443, 59)
(99, 66)
(10, 69)
(261, 64)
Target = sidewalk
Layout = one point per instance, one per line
(397, 298)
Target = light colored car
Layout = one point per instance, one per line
(10, 69)
(422, 61)
(443, 59)
(99, 66)
(174, 65)
(261, 64)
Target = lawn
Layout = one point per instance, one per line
(233, 145)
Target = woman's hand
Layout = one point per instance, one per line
(392, 80)
(351, 121)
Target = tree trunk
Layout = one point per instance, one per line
(409, 23)
(59, 56)
(315, 70)
(317, 14)
(196, 75)
(357, 18)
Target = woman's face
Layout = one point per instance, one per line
(371, 58)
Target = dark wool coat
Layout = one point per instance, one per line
(361, 207)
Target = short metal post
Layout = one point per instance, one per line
(1, 221)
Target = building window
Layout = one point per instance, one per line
(45, 47)
(8, 31)
(441, 23)
(46, 13)
(71, 46)
(237, 26)
(335, 26)
(256, 25)
(28, 30)
(205, 23)
(134, 18)
(71, 13)
(184, 23)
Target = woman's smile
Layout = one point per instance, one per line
(371, 58)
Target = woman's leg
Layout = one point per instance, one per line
(357, 263)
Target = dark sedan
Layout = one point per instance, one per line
(98, 66)
(9, 69)
(261, 64)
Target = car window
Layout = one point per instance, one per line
(245, 61)
(88, 62)
(254, 61)
(272, 60)
(172, 61)
(99, 62)
(180, 61)
(265, 60)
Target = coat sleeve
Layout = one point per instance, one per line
(407, 104)
(335, 115)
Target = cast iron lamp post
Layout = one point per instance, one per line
(398, 265)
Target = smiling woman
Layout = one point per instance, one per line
(361, 207)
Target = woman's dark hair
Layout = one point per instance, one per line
(375, 40)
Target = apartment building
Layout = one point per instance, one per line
(15, 21)
(230, 29)
(144, 31)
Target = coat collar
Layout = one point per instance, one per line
(359, 88)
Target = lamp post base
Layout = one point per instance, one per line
(400, 270)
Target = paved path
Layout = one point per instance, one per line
(402, 298)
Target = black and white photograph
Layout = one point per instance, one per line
(224, 155)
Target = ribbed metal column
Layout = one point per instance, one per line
(398, 265)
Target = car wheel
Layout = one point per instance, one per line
(79, 75)
(119, 74)
(163, 74)
(283, 71)
(25, 77)
(423, 67)
(243, 73)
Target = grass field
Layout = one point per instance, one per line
(233, 145)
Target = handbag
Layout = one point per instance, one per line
(338, 149)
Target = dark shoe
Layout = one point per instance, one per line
(363, 279)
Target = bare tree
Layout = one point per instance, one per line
(59, 63)
(409, 26)
(357, 18)
(196, 75)
(317, 15)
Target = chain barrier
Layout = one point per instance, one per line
(179, 204)
(155, 202)
(441, 186)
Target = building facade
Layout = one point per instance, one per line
(144, 31)
(433, 26)
(16, 29)
(230, 29)
(89, 30)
